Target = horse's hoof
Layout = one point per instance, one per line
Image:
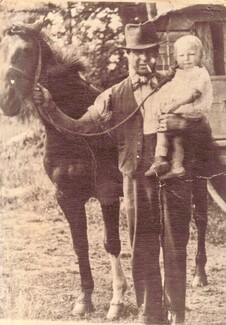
(83, 305)
(82, 308)
(200, 281)
(175, 319)
(115, 311)
(200, 277)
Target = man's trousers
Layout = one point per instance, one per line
(157, 215)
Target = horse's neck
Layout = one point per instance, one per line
(72, 96)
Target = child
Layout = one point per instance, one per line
(189, 94)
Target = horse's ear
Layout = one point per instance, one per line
(34, 28)
(39, 24)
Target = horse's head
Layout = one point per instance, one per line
(20, 60)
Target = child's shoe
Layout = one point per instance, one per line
(159, 167)
(177, 170)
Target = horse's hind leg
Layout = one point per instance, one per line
(113, 247)
(200, 216)
(74, 211)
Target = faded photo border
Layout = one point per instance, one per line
(39, 273)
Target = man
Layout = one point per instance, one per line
(152, 217)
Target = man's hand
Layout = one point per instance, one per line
(42, 97)
(170, 122)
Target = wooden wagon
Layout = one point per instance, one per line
(208, 22)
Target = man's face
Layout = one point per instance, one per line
(143, 61)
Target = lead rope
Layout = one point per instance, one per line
(161, 186)
(39, 66)
(106, 131)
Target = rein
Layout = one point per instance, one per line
(107, 131)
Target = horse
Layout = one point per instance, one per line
(79, 167)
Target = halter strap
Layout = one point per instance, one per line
(12, 67)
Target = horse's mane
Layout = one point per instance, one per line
(65, 59)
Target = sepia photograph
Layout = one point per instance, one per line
(113, 155)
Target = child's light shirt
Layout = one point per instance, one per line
(194, 79)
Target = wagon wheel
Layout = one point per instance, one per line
(215, 196)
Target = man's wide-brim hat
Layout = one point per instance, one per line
(141, 36)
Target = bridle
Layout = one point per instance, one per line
(19, 30)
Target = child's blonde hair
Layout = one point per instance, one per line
(188, 39)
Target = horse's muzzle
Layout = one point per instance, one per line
(10, 103)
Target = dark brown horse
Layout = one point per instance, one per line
(79, 167)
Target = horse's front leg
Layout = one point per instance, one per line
(74, 211)
(113, 247)
(200, 215)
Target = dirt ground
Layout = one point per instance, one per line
(39, 271)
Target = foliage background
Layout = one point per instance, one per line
(94, 30)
